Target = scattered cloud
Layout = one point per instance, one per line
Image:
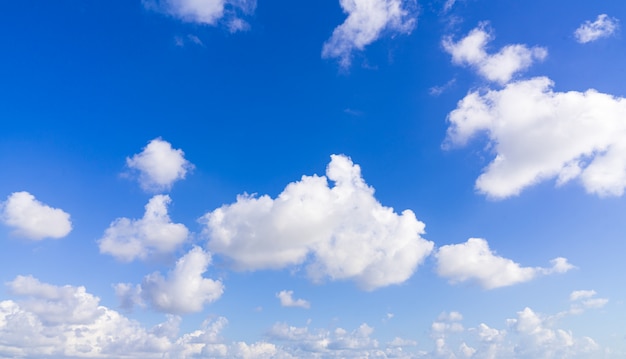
(367, 20)
(584, 299)
(286, 300)
(180, 41)
(538, 134)
(499, 67)
(128, 239)
(323, 227)
(33, 219)
(475, 262)
(438, 90)
(604, 26)
(184, 290)
(159, 165)
(205, 12)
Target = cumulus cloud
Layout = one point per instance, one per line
(185, 290)
(159, 165)
(366, 21)
(539, 134)
(327, 343)
(206, 12)
(475, 262)
(498, 67)
(529, 335)
(127, 239)
(323, 227)
(68, 322)
(604, 26)
(286, 300)
(33, 219)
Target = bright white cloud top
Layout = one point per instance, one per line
(499, 67)
(604, 26)
(159, 165)
(474, 261)
(286, 300)
(206, 12)
(129, 239)
(185, 290)
(538, 134)
(32, 219)
(327, 225)
(366, 21)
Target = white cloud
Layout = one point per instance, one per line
(498, 67)
(159, 165)
(538, 134)
(604, 26)
(584, 299)
(286, 300)
(33, 219)
(366, 21)
(323, 227)
(327, 343)
(581, 294)
(67, 322)
(127, 239)
(54, 304)
(206, 12)
(184, 290)
(474, 261)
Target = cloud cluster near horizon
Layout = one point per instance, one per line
(68, 321)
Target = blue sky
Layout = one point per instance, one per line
(354, 178)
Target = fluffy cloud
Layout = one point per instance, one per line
(286, 300)
(538, 134)
(127, 239)
(184, 290)
(206, 12)
(604, 26)
(159, 165)
(498, 67)
(68, 322)
(366, 21)
(584, 299)
(33, 219)
(474, 261)
(322, 226)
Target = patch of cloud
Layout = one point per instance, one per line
(322, 227)
(159, 165)
(327, 343)
(184, 290)
(129, 239)
(204, 12)
(473, 261)
(538, 134)
(68, 322)
(32, 219)
(498, 67)
(367, 20)
(604, 26)
(585, 299)
(438, 90)
(181, 41)
(286, 300)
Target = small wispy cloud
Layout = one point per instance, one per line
(286, 300)
(604, 26)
